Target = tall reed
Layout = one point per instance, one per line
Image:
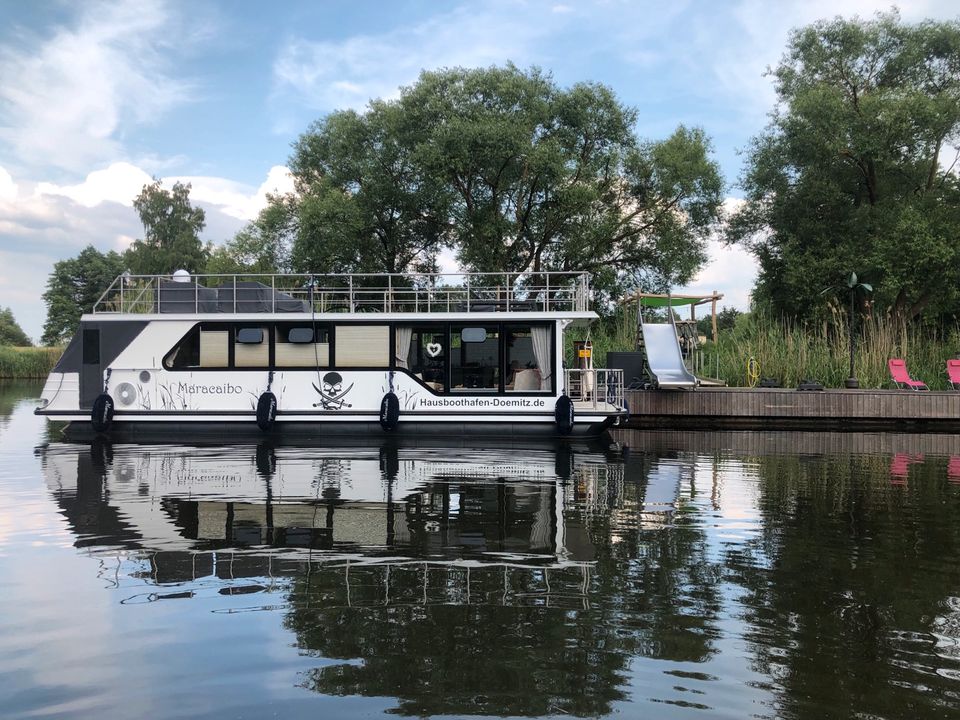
(791, 352)
(28, 362)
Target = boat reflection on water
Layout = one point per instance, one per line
(473, 581)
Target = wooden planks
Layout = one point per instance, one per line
(763, 407)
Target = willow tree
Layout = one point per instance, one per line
(551, 178)
(857, 168)
(511, 171)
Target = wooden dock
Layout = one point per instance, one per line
(788, 409)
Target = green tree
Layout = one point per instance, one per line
(366, 203)
(73, 287)
(547, 178)
(260, 246)
(10, 331)
(171, 232)
(509, 169)
(852, 172)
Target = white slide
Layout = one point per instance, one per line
(665, 359)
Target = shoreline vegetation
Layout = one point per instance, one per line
(790, 352)
(27, 363)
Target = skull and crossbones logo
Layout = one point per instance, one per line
(332, 393)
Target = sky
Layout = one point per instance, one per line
(96, 98)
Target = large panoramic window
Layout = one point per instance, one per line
(528, 359)
(362, 346)
(205, 346)
(474, 358)
(302, 345)
(251, 346)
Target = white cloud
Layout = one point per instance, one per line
(8, 188)
(236, 199)
(68, 97)
(120, 183)
(730, 269)
(347, 73)
(41, 223)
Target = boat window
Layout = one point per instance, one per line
(362, 346)
(91, 347)
(300, 335)
(422, 351)
(295, 345)
(528, 357)
(251, 347)
(250, 336)
(475, 365)
(205, 346)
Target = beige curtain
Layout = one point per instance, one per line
(543, 351)
(402, 350)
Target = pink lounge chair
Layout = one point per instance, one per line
(953, 372)
(900, 376)
(953, 469)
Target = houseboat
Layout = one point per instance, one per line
(431, 354)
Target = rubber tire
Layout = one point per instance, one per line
(563, 414)
(102, 413)
(389, 411)
(266, 411)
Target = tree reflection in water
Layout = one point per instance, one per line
(555, 581)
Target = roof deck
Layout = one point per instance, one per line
(546, 292)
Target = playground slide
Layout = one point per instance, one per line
(664, 357)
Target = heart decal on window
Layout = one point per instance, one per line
(434, 349)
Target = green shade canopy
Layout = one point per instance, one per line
(674, 301)
(658, 301)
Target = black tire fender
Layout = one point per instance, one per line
(266, 411)
(563, 414)
(389, 411)
(102, 413)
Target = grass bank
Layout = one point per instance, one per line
(28, 362)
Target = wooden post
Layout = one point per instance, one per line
(713, 311)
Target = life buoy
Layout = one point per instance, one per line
(389, 411)
(563, 414)
(102, 413)
(266, 411)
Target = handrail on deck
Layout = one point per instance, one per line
(598, 388)
(395, 293)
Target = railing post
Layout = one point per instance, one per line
(273, 293)
(350, 284)
(468, 292)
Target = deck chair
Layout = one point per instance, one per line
(953, 373)
(901, 378)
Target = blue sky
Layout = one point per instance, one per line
(95, 98)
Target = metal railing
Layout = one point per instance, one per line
(393, 293)
(598, 388)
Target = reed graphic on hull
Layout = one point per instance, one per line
(332, 393)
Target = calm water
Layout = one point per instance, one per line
(686, 576)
